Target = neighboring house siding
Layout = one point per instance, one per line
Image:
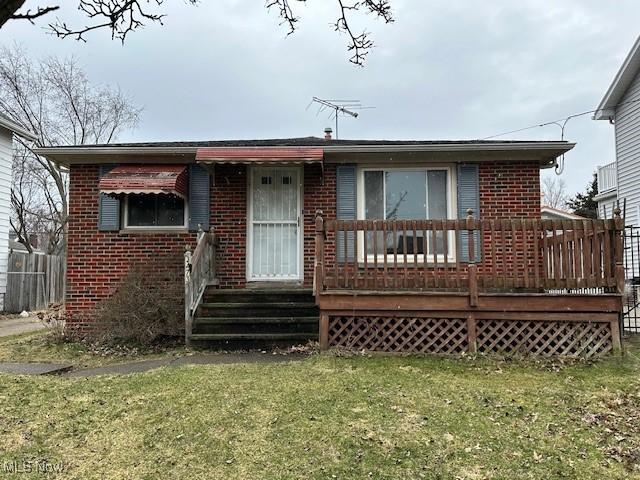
(627, 133)
(97, 261)
(6, 160)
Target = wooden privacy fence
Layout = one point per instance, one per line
(504, 255)
(34, 281)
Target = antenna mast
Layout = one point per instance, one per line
(337, 107)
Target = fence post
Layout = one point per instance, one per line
(472, 335)
(472, 268)
(618, 246)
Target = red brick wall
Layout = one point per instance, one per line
(97, 261)
(509, 190)
(229, 220)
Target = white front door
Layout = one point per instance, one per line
(274, 223)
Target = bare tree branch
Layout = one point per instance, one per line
(54, 98)
(120, 16)
(31, 16)
(554, 192)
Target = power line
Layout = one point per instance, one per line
(564, 121)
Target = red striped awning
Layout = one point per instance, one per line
(260, 155)
(146, 179)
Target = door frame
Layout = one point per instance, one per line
(300, 231)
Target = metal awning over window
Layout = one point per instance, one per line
(127, 179)
(260, 155)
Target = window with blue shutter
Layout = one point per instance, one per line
(468, 199)
(108, 207)
(345, 208)
(199, 207)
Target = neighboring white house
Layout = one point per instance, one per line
(620, 180)
(8, 129)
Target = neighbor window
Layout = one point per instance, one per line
(155, 210)
(406, 194)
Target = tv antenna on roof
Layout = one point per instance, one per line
(338, 108)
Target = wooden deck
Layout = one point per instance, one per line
(453, 286)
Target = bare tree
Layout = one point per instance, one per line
(554, 192)
(54, 99)
(122, 17)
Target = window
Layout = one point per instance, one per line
(406, 194)
(154, 211)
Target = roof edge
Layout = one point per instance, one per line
(17, 128)
(627, 72)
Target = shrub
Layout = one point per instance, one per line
(141, 311)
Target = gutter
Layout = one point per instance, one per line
(382, 148)
(17, 129)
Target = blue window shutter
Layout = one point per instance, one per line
(468, 198)
(345, 207)
(108, 207)
(199, 206)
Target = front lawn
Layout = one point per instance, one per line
(331, 417)
(37, 347)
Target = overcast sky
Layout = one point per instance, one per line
(452, 69)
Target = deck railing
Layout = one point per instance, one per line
(607, 178)
(199, 272)
(505, 255)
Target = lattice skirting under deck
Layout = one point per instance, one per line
(452, 335)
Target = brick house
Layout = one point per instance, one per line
(394, 221)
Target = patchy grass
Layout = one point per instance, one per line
(37, 347)
(332, 417)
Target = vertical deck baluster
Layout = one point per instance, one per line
(557, 269)
(366, 254)
(416, 270)
(525, 247)
(385, 273)
(597, 253)
(345, 264)
(434, 248)
(458, 252)
(608, 254)
(336, 234)
(587, 253)
(494, 261)
(356, 254)
(374, 229)
(536, 254)
(565, 255)
(405, 283)
(425, 262)
(503, 239)
(445, 245)
(395, 254)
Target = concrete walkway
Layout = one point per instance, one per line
(146, 365)
(15, 325)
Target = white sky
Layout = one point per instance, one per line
(450, 69)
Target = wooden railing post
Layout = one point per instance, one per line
(188, 296)
(472, 268)
(318, 278)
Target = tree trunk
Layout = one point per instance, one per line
(8, 8)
